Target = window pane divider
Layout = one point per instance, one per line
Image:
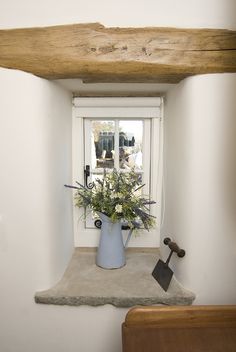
(116, 161)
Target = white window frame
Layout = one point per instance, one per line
(121, 108)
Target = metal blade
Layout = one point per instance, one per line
(162, 274)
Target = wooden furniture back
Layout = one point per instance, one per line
(180, 329)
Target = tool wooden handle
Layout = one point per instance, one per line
(174, 247)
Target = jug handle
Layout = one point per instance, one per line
(136, 226)
(128, 238)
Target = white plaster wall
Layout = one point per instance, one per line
(35, 154)
(168, 13)
(36, 239)
(200, 174)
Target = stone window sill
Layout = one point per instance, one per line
(86, 284)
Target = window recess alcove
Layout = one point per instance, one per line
(100, 125)
(97, 54)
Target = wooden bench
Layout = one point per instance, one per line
(180, 329)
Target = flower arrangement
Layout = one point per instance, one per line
(118, 196)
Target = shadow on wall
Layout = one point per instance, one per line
(228, 172)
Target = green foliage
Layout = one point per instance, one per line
(117, 195)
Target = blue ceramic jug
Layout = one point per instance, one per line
(111, 250)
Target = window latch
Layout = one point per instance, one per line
(86, 175)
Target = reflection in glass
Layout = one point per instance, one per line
(102, 136)
(130, 144)
(103, 144)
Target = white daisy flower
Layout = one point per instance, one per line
(118, 208)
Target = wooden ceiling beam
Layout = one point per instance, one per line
(94, 53)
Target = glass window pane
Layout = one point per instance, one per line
(130, 144)
(107, 135)
(103, 144)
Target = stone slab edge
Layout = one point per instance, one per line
(115, 301)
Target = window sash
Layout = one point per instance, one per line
(90, 237)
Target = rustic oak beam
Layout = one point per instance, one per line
(97, 54)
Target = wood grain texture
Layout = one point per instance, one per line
(151, 339)
(182, 316)
(97, 54)
(180, 329)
